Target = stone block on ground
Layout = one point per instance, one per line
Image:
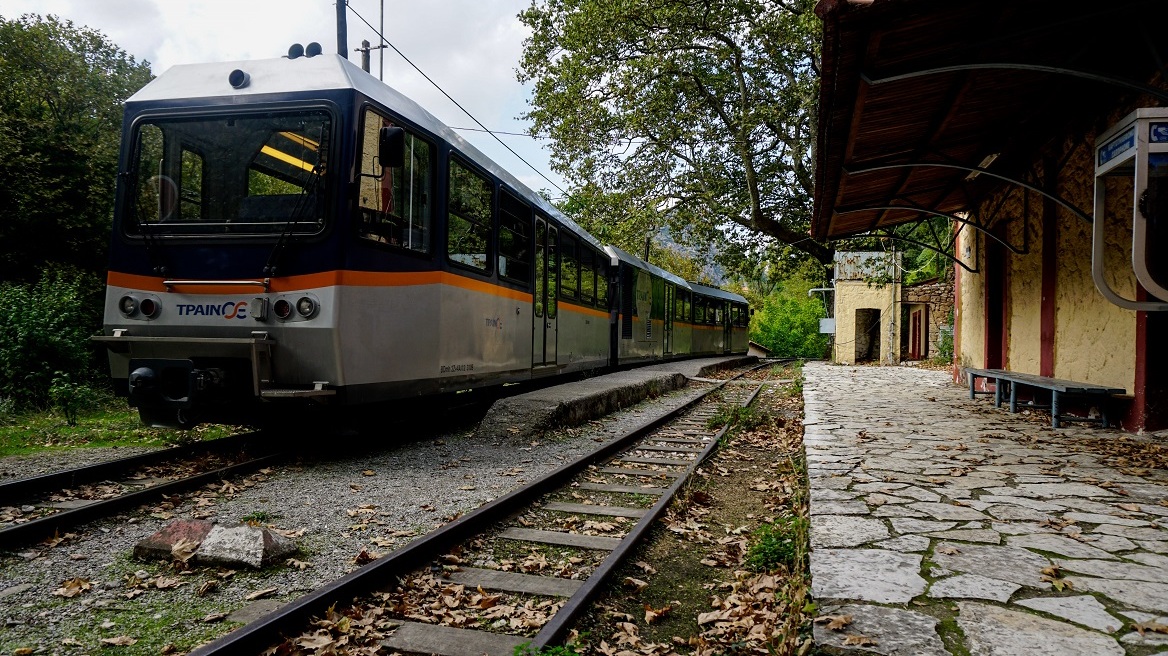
(158, 546)
(892, 632)
(994, 631)
(217, 545)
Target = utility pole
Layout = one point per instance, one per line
(364, 50)
(342, 29)
(381, 45)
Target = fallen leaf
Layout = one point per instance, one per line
(645, 567)
(120, 641)
(834, 622)
(636, 584)
(72, 587)
(214, 617)
(654, 614)
(368, 472)
(298, 564)
(859, 640)
(1150, 625)
(261, 593)
(948, 551)
(183, 549)
(208, 586)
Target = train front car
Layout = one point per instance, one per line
(225, 241)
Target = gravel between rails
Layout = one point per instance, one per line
(15, 467)
(413, 486)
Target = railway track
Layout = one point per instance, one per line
(635, 476)
(86, 493)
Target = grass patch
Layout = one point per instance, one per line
(748, 418)
(778, 545)
(257, 518)
(37, 432)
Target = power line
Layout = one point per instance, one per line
(451, 99)
(514, 134)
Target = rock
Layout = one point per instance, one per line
(1096, 518)
(993, 631)
(845, 531)
(1058, 544)
(15, 590)
(1051, 490)
(896, 632)
(838, 508)
(157, 546)
(243, 545)
(909, 525)
(905, 543)
(1149, 639)
(1111, 569)
(1141, 594)
(866, 575)
(969, 535)
(254, 610)
(947, 511)
(1005, 563)
(1151, 534)
(972, 586)
(1084, 609)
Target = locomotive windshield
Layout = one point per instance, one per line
(229, 174)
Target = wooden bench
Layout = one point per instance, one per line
(1058, 388)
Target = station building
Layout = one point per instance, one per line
(1007, 116)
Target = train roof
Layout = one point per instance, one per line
(715, 292)
(325, 72)
(633, 260)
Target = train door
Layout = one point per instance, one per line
(544, 327)
(726, 328)
(667, 330)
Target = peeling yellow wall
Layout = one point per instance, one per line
(1024, 282)
(969, 313)
(1095, 341)
(852, 295)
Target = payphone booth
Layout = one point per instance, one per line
(1131, 160)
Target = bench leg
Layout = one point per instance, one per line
(1054, 409)
(972, 385)
(1013, 397)
(1103, 414)
(997, 392)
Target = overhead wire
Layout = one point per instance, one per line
(451, 98)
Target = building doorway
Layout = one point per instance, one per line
(867, 335)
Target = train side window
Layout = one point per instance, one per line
(394, 202)
(601, 283)
(733, 315)
(468, 226)
(699, 311)
(569, 269)
(514, 239)
(553, 260)
(190, 193)
(688, 316)
(587, 275)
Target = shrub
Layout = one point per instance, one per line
(44, 331)
(778, 544)
(72, 397)
(788, 323)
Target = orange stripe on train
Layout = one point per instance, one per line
(340, 278)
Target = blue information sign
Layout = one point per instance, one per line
(1118, 146)
(1159, 133)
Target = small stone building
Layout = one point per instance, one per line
(927, 318)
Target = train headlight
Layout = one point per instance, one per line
(306, 307)
(128, 305)
(282, 309)
(149, 307)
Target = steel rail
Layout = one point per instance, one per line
(51, 524)
(261, 633)
(558, 626)
(22, 488)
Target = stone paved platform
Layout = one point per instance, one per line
(525, 415)
(941, 525)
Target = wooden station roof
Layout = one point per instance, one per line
(957, 82)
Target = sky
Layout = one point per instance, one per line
(471, 48)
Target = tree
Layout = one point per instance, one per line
(695, 113)
(61, 94)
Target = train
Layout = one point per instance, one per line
(292, 233)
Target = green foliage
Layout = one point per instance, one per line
(735, 415)
(45, 331)
(698, 116)
(552, 650)
(61, 94)
(73, 398)
(257, 518)
(777, 545)
(788, 323)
